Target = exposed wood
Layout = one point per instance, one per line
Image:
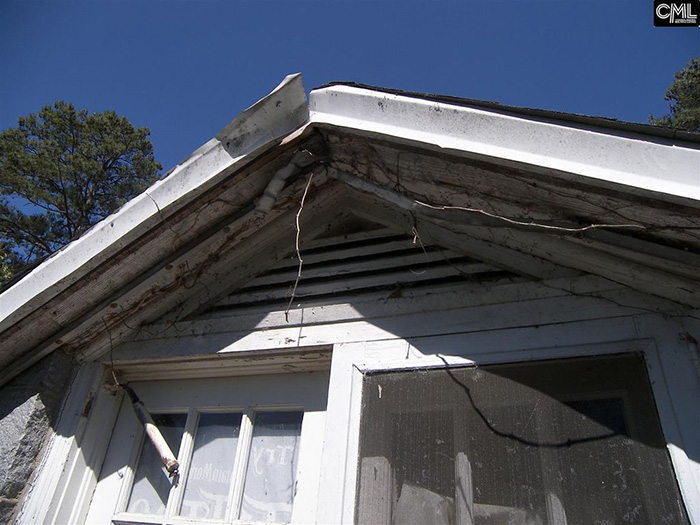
(598, 156)
(356, 265)
(258, 254)
(296, 360)
(199, 294)
(490, 252)
(635, 274)
(174, 234)
(196, 270)
(497, 254)
(675, 261)
(516, 193)
(568, 254)
(348, 226)
(399, 242)
(38, 334)
(309, 309)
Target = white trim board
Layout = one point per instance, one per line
(383, 304)
(618, 159)
(536, 312)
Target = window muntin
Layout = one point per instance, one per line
(569, 441)
(210, 487)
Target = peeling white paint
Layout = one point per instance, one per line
(605, 155)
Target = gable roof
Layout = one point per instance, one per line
(452, 166)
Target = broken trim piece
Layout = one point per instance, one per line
(273, 117)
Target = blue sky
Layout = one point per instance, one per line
(184, 69)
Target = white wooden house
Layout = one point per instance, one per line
(496, 322)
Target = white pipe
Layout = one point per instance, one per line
(166, 455)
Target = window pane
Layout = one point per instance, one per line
(151, 487)
(272, 467)
(571, 441)
(209, 476)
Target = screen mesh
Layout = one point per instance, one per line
(573, 441)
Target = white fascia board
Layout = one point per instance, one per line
(653, 164)
(278, 114)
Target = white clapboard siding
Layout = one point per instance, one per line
(354, 266)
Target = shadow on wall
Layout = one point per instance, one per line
(29, 407)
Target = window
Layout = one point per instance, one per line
(239, 460)
(208, 488)
(568, 441)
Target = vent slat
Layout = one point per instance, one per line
(380, 293)
(379, 233)
(357, 283)
(344, 251)
(416, 259)
(353, 267)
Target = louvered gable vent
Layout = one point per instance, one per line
(342, 266)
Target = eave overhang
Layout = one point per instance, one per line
(636, 162)
(71, 294)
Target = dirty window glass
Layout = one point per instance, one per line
(151, 487)
(210, 473)
(268, 492)
(557, 442)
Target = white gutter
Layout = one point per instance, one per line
(274, 116)
(610, 156)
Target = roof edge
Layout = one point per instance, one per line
(654, 167)
(520, 111)
(276, 115)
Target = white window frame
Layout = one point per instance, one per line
(194, 397)
(65, 480)
(352, 360)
